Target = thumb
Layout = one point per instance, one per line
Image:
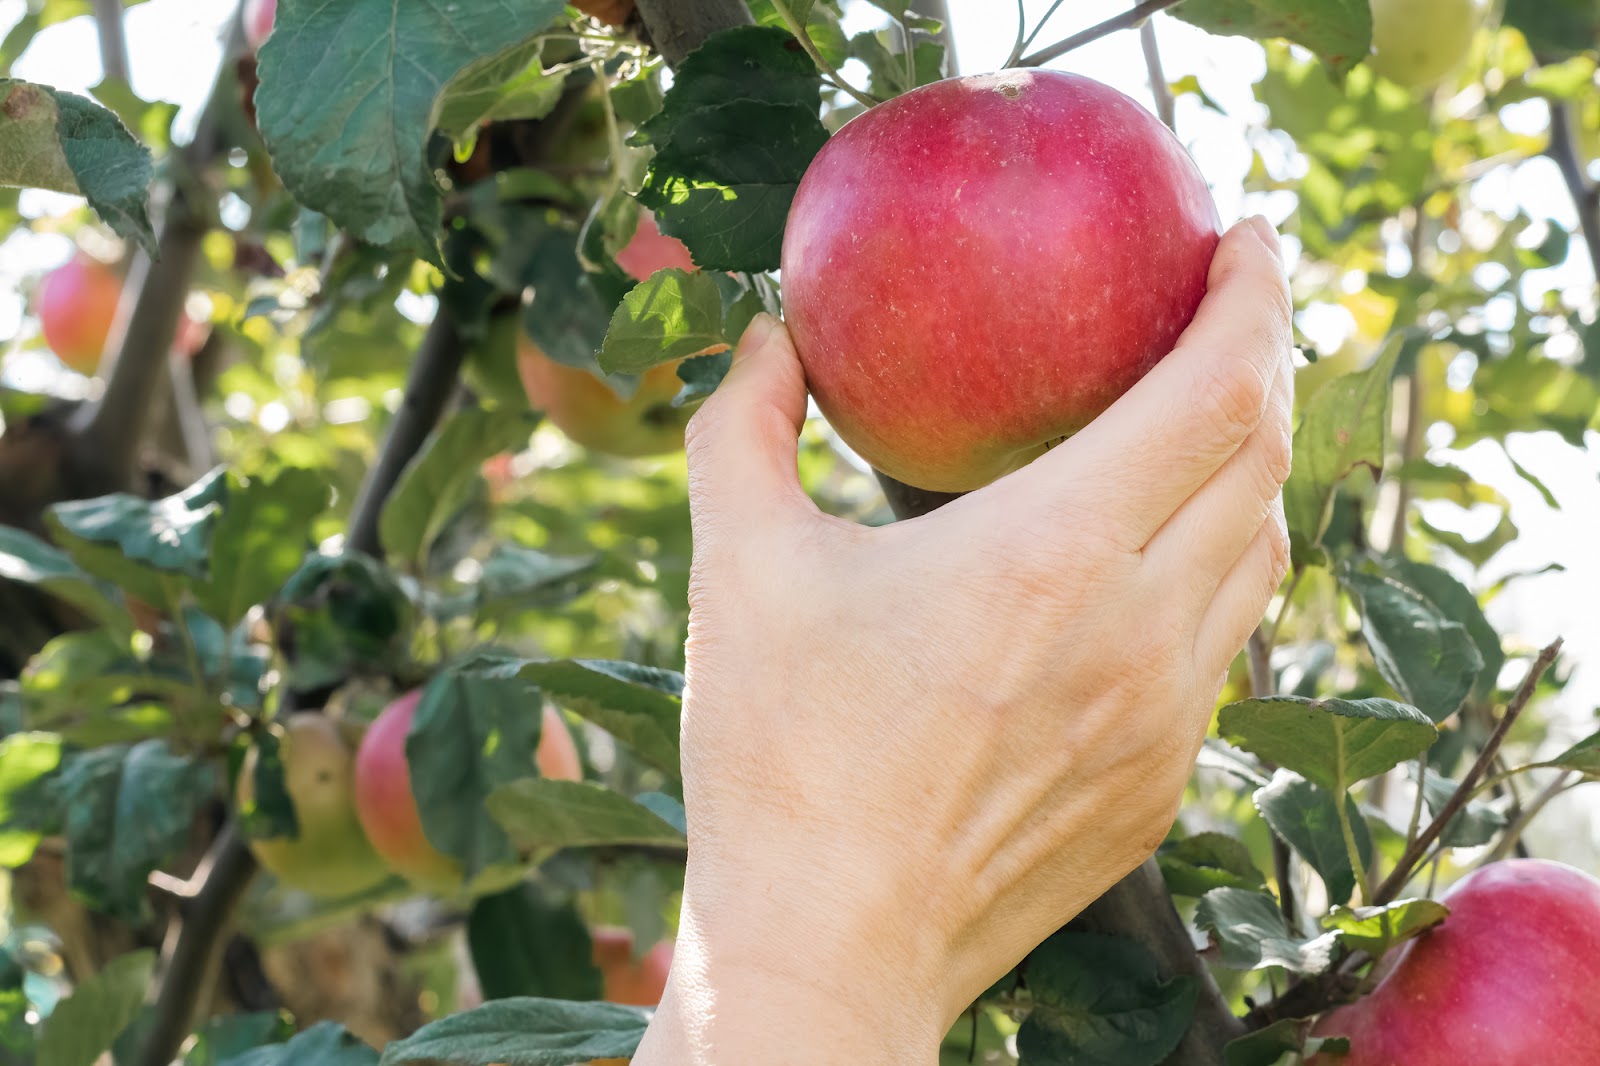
(743, 441)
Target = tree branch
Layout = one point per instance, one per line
(1585, 196)
(113, 40)
(1125, 21)
(1418, 848)
(1166, 106)
(678, 27)
(429, 390)
(197, 949)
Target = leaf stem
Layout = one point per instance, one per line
(1418, 848)
(829, 72)
(1341, 802)
(1127, 20)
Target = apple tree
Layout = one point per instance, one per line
(344, 527)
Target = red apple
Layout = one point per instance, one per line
(1512, 976)
(586, 409)
(258, 19)
(973, 271)
(77, 304)
(649, 250)
(636, 982)
(611, 12)
(388, 808)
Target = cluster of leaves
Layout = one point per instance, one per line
(493, 163)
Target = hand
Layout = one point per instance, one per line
(911, 753)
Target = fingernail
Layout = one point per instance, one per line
(756, 335)
(1268, 234)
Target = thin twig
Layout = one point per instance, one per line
(828, 71)
(1166, 105)
(1022, 34)
(1415, 826)
(1585, 196)
(1125, 21)
(1513, 832)
(1037, 29)
(113, 40)
(1418, 848)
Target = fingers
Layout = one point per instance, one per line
(1243, 596)
(742, 442)
(1208, 534)
(1145, 455)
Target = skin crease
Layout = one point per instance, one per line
(991, 710)
(77, 304)
(1509, 977)
(1094, 225)
(388, 809)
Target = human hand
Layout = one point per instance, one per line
(911, 753)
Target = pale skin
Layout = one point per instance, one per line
(913, 752)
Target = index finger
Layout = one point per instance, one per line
(1137, 463)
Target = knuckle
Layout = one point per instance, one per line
(1235, 393)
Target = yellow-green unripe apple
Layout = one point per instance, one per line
(1418, 42)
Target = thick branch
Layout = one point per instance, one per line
(196, 952)
(678, 27)
(1125, 21)
(1585, 195)
(429, 389)
(1419, 847)
(113, 40)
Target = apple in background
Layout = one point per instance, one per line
(258, 18)
(635, 982)
(331, 856)
(650, 250)
(1417, 42)
(973, 271)
(1512, 976)
(387, 808)
(611, 12)
(77, 304)
(587, 410)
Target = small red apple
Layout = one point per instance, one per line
(635, 982)
(611, 12)
(388, 808)
(650, 250)
(77, 305)
(973, 271)
(258, 19)
(1511, 977)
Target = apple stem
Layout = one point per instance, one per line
(1125, 21)
(1418, 848)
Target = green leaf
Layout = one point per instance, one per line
(1195, 865)
(128, 809)
(540, 814)
(1339, 31)
(83, 1026)
(259, 540)
(822, 26)
(171, 535)
(880, 52)
(324, 1044)
(1556, 29)
(27, 559)
(525, 943)
(270, 813)
(1453, 600)
(1100, 1001)
(1584, 756)
(523, 1032)
(1345, 426)
(639, 705)
(1250, 934)
(515, 578)
(672, 315)
(1430, 660)
(350, 93)
(1334, 743)
(1265, 1047)
(1305, 817)
(1377, 929)
(472, 734)
(734, 136)
(439, 481)
(28, 763)
(701, 376)
(230, 1035)
(59, 141)
(568, 316)
(342, 615)
(17, 1037)
(509, 86)
(1473, 826)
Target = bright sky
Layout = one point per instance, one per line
(174, 54)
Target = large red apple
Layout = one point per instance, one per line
(77, 304)
(973, 271)
(258, 18)
(388, 808)
(1512, 976)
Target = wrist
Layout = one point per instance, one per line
(739, 995)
